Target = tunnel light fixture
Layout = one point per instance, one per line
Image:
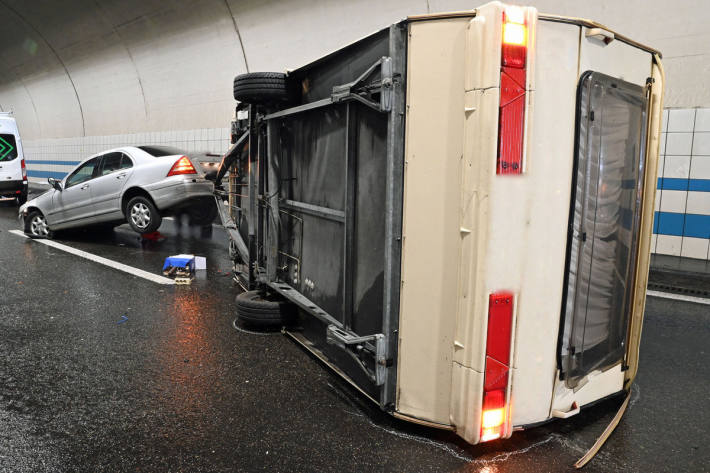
(182, 166)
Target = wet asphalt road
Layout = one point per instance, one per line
(176, 388)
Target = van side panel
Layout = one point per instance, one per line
(430, 242)
(626, 62)
(536, 263)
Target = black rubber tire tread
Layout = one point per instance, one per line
(22, 199)
(260, 320)
(261, 87)
(254, 310)
(155, 218)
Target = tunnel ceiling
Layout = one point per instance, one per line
(96, 67)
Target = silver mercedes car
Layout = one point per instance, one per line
(138, 185)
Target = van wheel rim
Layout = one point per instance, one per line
(140, 215)
(38, 226)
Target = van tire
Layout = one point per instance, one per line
(255, 310)
(261, 88)
(145, 207)
(22, 199)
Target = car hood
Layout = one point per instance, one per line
(39, 202)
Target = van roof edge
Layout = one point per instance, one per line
(594, 24)
(543, 16)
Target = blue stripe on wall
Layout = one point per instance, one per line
(697, 226)
(700, 185)
(675, 184)
(690, 225)
(60, 163)
(54, 174)
(668, 223)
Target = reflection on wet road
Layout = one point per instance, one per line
(103, 371)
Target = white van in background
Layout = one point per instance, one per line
(13, 172)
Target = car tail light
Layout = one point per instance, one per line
(182, 166)
(24, 169)
(495, 386)
(513, 77)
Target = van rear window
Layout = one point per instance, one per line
(158, 151)
(8, 147)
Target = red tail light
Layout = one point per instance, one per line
(182, 166)
(515, 38)
(513, 76)
(24, 169)
(495, 387)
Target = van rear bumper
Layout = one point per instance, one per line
(12, 188)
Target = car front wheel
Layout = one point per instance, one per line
(36, 225)
(142, 215)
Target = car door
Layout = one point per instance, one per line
(73, 204)
(106, 188)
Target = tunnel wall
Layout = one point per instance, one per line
(85, 75)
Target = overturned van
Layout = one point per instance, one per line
(455, 212)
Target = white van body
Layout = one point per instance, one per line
(467, 224)
(513, 234)
(13, 173)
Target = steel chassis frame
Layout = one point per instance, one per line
(264, 206)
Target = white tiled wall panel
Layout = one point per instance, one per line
(673, 201)
(681, 120)
(677, 167)
(701, 143)
(698, 203)
(684, 166)
(702, 119)
(700, 167)
(695, 248)
(669, 245)
(679, 144)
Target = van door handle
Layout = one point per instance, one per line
(121, 176)
(85, 186)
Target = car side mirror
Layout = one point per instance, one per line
(211, 176)
(55, 183)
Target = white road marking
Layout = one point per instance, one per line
(101, 260)
(678, 297)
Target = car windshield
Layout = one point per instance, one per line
(158, 151)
